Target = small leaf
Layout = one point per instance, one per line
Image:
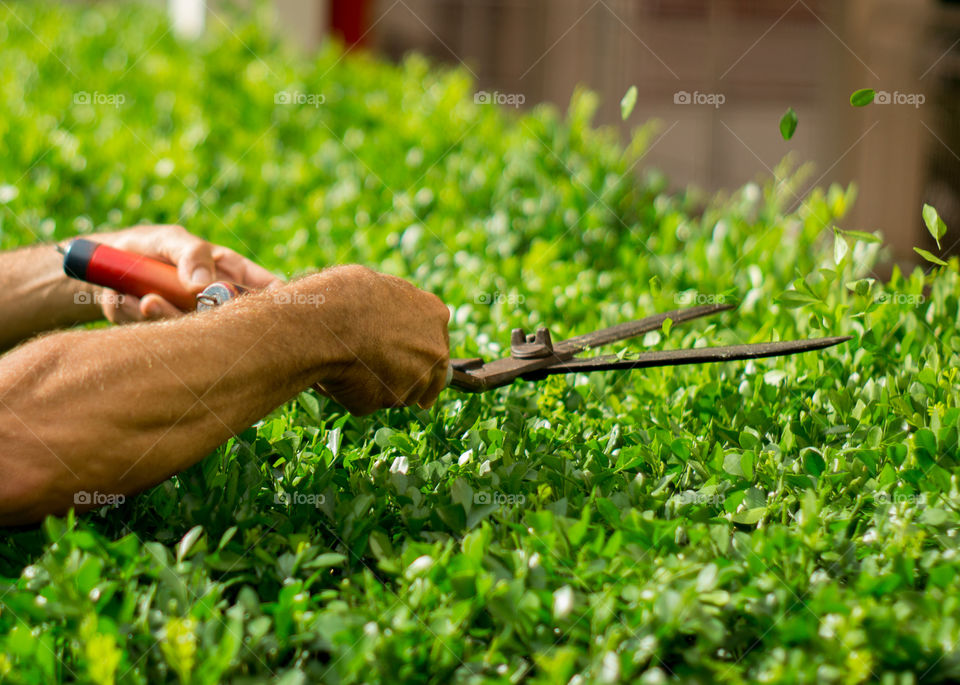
(934, 223)
(382, 436)
(749, 516)
(791, 299)
(813, 462)
(667, 325)
(655, 285)
(840, 247)
(187, 542)
(862, 236)
(310, 404)
(926, 440)
(929, 257)
(628, 102)
(326, 560)
(861, 286)
(334, 438)
(862, 97)
(788, 124)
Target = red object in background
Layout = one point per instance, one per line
(350, 19)
(125, 272)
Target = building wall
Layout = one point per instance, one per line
(762, 56)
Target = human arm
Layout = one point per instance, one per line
(36, 296)
(118, 410)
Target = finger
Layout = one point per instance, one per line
(437, 384)
(195, 265)
(322, 390)
(154, 307)
(120, 308)
(357, 406)
(192, 255)
(241, 270)
(407, 398)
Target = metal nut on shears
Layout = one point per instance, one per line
(218, 293)
(534, 346)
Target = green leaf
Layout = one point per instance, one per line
(749, 516)
(862, 97)
(383, 436)
(934, 223)
(788, 124)
(862, 236)
(927, 441)
(628, 102)
(861, 286)
(326, 560)
(929, 257)
(186, 544)
(792, 299)
(309, 402)
(840, 247)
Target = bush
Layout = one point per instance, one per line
(785, 519)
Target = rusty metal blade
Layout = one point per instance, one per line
(471, 378)
(703, 355)
(632, 329)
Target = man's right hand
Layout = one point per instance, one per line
(389, 339)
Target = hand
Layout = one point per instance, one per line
(390, 342)
(198, 263)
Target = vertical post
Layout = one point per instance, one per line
(350, 20)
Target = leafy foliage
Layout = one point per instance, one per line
(786, 519)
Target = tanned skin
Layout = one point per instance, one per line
(120, 409)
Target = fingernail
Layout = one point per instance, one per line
(201, 276)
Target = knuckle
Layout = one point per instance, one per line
(353, 270)
(198, 250)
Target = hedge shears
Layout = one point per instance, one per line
(532, 357)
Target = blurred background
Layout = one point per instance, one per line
(716, 75)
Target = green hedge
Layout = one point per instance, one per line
(783, 520)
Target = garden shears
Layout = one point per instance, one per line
(532, 357)
(536, 356)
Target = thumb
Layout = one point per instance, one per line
(195, 264)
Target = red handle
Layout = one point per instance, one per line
(125, 272)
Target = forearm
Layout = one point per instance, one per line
(36, 296)
(119, 410)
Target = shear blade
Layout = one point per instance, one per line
(631, 329)
(703, 355)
